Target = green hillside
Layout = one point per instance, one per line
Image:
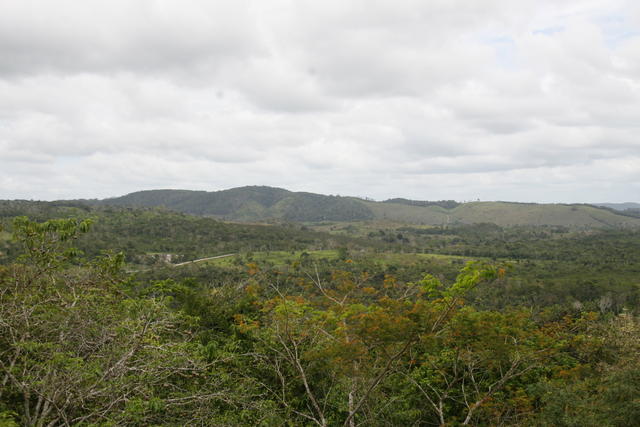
(249, 204)
(504, 214)
(536, 214)
(264, 204)
(150, 235)
(400, 212)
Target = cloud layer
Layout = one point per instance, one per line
(497, 100)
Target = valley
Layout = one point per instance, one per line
(151, 315)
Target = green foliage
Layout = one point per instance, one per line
(43, 243)
(8, 419)
(250, 204)
(76, 349)
(299, 336)
(603, 388)
(156, 237)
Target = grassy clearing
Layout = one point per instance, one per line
(390, 258)
(274, 257)
(505, 214)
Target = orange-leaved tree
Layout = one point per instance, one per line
(325, 352)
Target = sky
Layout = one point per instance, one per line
(527, 100)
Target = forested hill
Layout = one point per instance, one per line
(251, 204)
(148, 235)
(260, 203)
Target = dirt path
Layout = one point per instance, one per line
(202, 259)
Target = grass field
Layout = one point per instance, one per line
(274, 257)
(391, 258)
(503, 214)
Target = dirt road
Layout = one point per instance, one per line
(202, 259)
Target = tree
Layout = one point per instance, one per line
(324, 355)
(76, 348)
(471, 372)
(603, 389)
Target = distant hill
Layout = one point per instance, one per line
(627, 209)
(253, 203)
(620, 206)
(260, 204)
(505, 214)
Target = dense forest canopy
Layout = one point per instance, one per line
(317, 323)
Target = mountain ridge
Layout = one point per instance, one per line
(249, 203)
(269, 204)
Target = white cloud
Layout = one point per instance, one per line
(447, 99)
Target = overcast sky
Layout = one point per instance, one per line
(524, 100)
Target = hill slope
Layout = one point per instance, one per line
(251, 204)
(256, 204)
(146, 233)
(504, 214)
(619, 206)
